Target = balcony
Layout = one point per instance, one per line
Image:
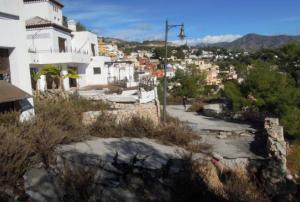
(57, 57)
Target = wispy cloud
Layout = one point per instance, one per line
(211, 39)
(112, 20)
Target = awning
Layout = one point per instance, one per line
(10, 93)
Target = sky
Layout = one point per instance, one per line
(206, 21)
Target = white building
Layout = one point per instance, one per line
(50, 42)
(14, 66)
(121, 72)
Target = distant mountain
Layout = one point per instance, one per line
(253, 42)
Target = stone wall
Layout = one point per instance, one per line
(53, 94)
(275, 175)
(123, 112)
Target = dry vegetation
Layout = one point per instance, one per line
(23, 145)
(293, 159)
(60, 122)
(196, 106)
(232, 185)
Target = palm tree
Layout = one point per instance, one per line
(36, 77)
(55, 72)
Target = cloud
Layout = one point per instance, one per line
(211, 39)
(108, 19)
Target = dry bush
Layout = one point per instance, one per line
(210, 175)
(196, 107)
(239, 187)
(79, 183)
(138, 127)
(15, 154)
(175, 133)
(84, 105)
(7, 118)
(105, 126)
(114, 89)
(172, 133)
(25, 144)
(293, 158)
(232, 185)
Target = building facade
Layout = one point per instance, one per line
(50, 41)
(14, 58)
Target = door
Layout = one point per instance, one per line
(73, 82)
(4, 65)
(62, 45)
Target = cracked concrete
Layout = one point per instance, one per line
(210, 128)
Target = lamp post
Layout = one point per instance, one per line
(181, 37)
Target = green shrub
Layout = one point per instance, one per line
(291, 121)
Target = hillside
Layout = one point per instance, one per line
(133, 44)
(253, 42)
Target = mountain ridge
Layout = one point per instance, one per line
(253, 42)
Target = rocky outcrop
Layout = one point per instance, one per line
(275, 175)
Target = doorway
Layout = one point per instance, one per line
(73, 82)
(62, 45)
(4, 65)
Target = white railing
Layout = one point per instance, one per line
(84, 52)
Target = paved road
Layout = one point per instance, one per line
(209, 129)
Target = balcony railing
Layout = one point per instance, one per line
(84, 52)
(55, 56)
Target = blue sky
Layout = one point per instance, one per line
(205, 20)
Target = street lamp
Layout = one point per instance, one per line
(181, 37)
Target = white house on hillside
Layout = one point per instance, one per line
(121, 71)
(15, 84)
(50, 42)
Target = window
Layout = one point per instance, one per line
(97, 70)
(93, 49)
(55, 8)
(62, 45)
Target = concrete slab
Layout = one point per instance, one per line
(200, 122)
(155, 154)
(209, 129)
